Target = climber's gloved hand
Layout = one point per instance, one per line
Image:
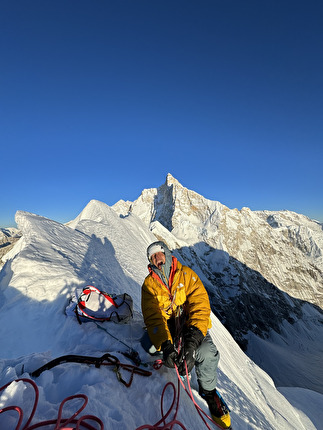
(192, 340)
(169, 354)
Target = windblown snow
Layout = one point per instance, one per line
(108, 251)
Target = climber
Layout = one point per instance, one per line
(176, 311)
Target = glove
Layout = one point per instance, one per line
(192, 340)
(169, 354)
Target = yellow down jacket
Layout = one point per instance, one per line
(160, 302)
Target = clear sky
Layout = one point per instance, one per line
(100, 99)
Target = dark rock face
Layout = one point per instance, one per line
(8, 237)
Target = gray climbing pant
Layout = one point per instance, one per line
(206, 363)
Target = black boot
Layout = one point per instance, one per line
(219, 410)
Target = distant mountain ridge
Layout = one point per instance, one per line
(258, 239)
(8, 237)
(261, 269)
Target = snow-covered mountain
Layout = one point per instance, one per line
(263, 271)
(106, 247)
(285, 247)
(6, 233)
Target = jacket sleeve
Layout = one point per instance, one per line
(198, 302)
(154, 320)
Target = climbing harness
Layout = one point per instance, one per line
(106, 360)
(60, 423)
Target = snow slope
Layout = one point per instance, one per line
(109, 251)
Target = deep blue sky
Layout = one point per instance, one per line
(101, 99)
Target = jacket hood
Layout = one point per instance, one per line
(168, 262)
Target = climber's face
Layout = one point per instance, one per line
(158, 259)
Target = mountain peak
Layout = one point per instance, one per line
(170, 180)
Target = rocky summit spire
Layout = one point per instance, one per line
(170, 180)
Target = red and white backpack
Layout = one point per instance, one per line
(94, 304)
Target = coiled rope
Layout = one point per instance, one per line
(60, 423)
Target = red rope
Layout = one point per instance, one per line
(19, 410)
(157, 365)
(161, 424)
(190, 395)
(60, 423)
